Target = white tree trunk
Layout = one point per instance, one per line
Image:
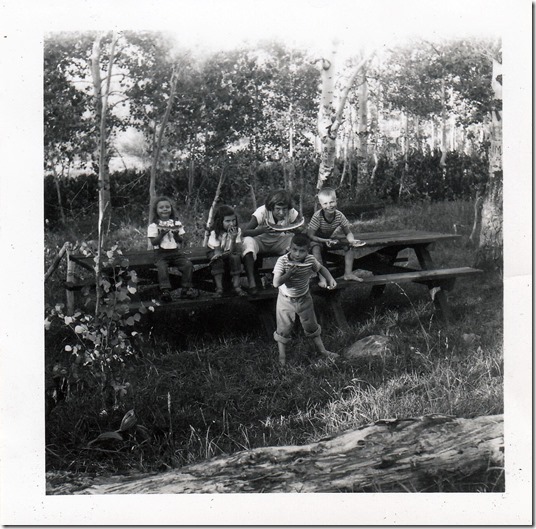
(101, 104)
(443, 161)
(330, 116)
(490, 248)
(362, 134)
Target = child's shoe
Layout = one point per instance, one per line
(218, 293)
(239, 292)
(166, 296)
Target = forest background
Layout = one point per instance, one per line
(277, 165)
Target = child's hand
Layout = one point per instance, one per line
(331, 242)
(331, 284)
(292, 269)
(357, 243)
(233, 232)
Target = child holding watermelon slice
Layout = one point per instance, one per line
(269, 231)
(291, 275)
(322, 231)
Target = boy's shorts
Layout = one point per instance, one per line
(286, 310)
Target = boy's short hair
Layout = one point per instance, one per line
(327, 191)
(278, 197)
(301, 239)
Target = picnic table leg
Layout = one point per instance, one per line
(438, 294)
(332, 301)
(69, 294)
(266, 313)
(389, 256)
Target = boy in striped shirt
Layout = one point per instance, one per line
(292, 272)
(321, 231)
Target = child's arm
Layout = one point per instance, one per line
(233, 234)
(281, 279)
(253, 229)
(155, 241)
(324, 272)
(351, 239)
(214, 243)
(349, 235)
(313, 237)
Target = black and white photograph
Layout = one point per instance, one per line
(266, 263)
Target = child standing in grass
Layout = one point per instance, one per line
(266, 233)
(321, 231)
(292, 272)
(166, 234)
(225, 243)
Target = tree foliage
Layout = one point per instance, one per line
(254, 110)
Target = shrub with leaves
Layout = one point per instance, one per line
(100, 337)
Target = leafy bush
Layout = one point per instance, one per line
(98, 338)
(424, 178)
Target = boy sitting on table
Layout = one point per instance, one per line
(321, 231)
(269, 231)
(292, 272)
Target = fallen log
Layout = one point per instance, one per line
(389, 455)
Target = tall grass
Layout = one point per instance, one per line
(209, 383)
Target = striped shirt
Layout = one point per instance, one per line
(298, 284)
(323, 228)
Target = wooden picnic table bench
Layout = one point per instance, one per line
(381, 256)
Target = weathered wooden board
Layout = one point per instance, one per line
(421, 275)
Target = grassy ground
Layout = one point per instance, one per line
(207, 384)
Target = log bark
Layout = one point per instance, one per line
(389, 455)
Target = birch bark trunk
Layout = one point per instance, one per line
(490, 248)
(330, 115)
(101, 107)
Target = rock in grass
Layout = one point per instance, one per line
(471, 338)
(369, 347)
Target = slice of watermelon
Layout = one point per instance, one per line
(288, 227)
(296, 263)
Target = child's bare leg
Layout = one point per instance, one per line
(218, 280)
(282, 353)
(320, 347)
(249, 265)
(317, 252)
(349, 266)
(236, 285)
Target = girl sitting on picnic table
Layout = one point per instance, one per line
(166, 234)
(322, 231)
(269, 231)
(225, 245)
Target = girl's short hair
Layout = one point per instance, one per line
(154, 215)
(222, 212)
(278, 197)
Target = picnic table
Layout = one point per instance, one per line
(382, 256)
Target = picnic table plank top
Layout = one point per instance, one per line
(198, 254)
(381, 238)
